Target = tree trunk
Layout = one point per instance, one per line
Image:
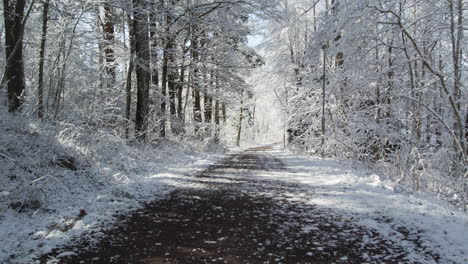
(378, 99)
(163, 94)
(390, 75)
(217, 109)
(180, 89)
(209, 100)
(254, 135)
(216, 117)
(416, 125)
(153, 62)
(216, 113)
(324, 84)
(239, 127)
(142, 67)
(109, 41)
(197, 115)
(197, 106)
(456, 33)
(223, 109)
(208, 108)
(128, 84)
(172, 72)
(13, 13)
(40, 88)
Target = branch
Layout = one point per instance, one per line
(431, 69)
(455, 138)
(19, 42)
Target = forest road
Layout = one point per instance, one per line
(235, 217)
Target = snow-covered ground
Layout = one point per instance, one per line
(113, 177)
(25, 236)
(379, 205)
(49, 172)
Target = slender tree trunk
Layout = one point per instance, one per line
(416, 125)
(223, 110)
(216, 119)
(61, 80)
(324, 76)
(197, 113)
(239, 127)
(438, 130)
(180, 89)
(51, 81)
(171, 70)
(456, 33)
(128, 93)
(209, 99)
(187, 94)
(154, 63)
(390, 76)
(164, 93)
(101, 54)
(254, 135)
(128, 84)
(40, 88)
(208, 108)
(109, 42)
(378, 99)
(172, 85)
(217, 109)
(164, 72)
(466, 127)
(197, 106)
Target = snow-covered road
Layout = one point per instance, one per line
(268, 206)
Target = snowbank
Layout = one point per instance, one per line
(49, 172)
(395, 213)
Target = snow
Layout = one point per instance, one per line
(379, 205)
(29, 236)
(113, 177)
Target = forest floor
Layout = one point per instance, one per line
(266, 206)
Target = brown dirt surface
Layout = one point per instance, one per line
(235, 218)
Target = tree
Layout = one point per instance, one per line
(108, 27)
(40, 88)
(142, 66)
(14, 19)
(394, 78)
(195, 76)
(191, 44)
(128, 82)
(172, 75)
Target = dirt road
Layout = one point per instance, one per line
(235, 217)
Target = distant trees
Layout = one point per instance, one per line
(143, 68)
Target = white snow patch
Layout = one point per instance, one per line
(369, 200)
(112, 177)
